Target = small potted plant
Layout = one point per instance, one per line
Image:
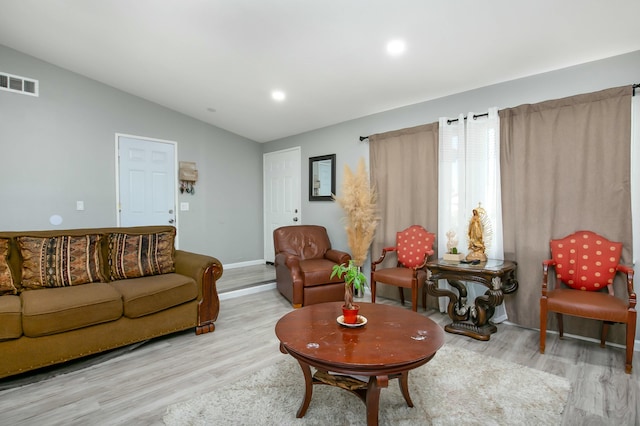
(353, 279)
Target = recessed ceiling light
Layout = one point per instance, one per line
(278, 95)
(396, 47)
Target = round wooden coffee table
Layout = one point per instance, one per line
(392, 342)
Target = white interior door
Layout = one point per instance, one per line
(281, 179)
(146, 181)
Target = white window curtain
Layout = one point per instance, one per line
(469, 173)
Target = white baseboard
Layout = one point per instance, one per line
(243, 264)
(245, 291)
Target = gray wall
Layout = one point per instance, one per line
(342, 139)
(60, 147)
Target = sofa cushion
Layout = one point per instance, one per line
(7, 285)
(60, 261)
(147, 295)
(10, 317)
(318, 272)
(133, 256)
(56, 310)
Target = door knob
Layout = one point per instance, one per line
(171, 220)
(295, 219)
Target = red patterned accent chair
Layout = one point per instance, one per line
(304, 261)
(413, 247)
(586, 263)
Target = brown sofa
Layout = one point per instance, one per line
(304, 260)
(65, 294)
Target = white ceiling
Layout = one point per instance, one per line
(327, 55)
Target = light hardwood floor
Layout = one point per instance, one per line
(136, 386)
(241, 278)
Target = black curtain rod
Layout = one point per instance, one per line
(362, 138)
(453, 120)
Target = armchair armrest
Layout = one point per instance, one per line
(545, 274)
(289, 277)
(427, 255)
(337, 256)
(385, 250)
(628, 271)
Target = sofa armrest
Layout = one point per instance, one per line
(205, 270)
(337, 256)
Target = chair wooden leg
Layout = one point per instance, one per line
(401, 290)
(373, 291)
(543, 324)
(631, 335)
(414, 295)
(414, 299)
(424, 297)
(560, 325)
(603, 333)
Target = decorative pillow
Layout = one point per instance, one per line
(60, 261)
(585, 260)
(132, 256)
(6, 280)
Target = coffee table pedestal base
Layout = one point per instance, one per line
(368, 392)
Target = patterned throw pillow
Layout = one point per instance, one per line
(60, 261)
(132, 256)
(6, 280)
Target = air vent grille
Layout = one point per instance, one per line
(15, 83)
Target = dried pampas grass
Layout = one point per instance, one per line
(358, 200)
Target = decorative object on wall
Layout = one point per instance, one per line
(358, 200)
(322, 177)
(188, 175)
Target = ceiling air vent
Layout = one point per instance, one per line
(15, 83)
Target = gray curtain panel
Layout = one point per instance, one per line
(403, 166)
(565, 167)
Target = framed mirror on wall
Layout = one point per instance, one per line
(322, 177)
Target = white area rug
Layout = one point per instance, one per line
(456, 387)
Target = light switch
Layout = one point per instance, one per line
(79, 205)
(184, 206)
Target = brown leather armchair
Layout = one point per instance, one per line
(304, 260)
